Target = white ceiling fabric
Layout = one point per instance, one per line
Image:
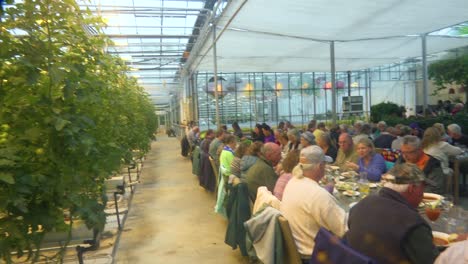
(284, 36)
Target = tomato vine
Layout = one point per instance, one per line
(69, 118)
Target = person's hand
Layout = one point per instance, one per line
(352, 165)
(279, 168)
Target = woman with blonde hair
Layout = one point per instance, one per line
(369, 161)
(433, 145)
(441, 128)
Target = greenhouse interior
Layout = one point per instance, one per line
(233, 131)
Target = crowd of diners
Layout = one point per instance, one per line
(290, 162)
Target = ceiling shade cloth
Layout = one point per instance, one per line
(293, 36)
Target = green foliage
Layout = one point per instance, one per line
(69, 118)
(384, 110)
(450, 71)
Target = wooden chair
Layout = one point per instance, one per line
(291, 255)
(216, 173)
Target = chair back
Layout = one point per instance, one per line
(291, 255)
(215, 172)
(388, 154)
(331, 249)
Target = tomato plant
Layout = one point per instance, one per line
(70, 117)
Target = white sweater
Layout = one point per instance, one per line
(442, 151)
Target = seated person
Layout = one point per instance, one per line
(288, 165)
(403, 131)
(455, 132)
(262, 173)
(387, 227)
(385, 138)
(307, 206)
(268, 133)
(215, 144)
(346, 152)
(325, 142)
(369, 161)
(307, 139)
(456, 253)
(412, 152)
(433, 145)
(250, 157)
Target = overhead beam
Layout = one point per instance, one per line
(138, 36)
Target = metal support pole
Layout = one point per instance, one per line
(424, 73)
(369, 94)
(215, 64)
(333, 71)
(349, 94)
(314, 96)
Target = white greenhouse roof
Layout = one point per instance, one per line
(294, 36)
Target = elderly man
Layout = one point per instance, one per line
(381, 127)
(455, 132)
(401, 132)
(412, 152)
(307, 206)
(193, 135)
(262, 173)
(346, 152)
(387, 227)
(215, 144)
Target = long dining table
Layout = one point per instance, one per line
(453, 218)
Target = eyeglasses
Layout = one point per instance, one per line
(341, 142)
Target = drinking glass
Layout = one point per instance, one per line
(363, 176)
(364, 188)
(447, 202)
(432, 212)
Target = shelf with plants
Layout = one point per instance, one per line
(69, 118)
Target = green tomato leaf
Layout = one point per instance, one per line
(61, 123)
(7, 177)
(6, 163)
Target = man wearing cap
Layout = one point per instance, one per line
(412, 152)
(307, 139)
(387, 227)
(307, 206)
(346, 152)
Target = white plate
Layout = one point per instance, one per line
(351, 193)
(372, 185)
(351, 205)
(431, 197)
(335, 167)
(344, 186)
(442, 236)
(349, 174)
